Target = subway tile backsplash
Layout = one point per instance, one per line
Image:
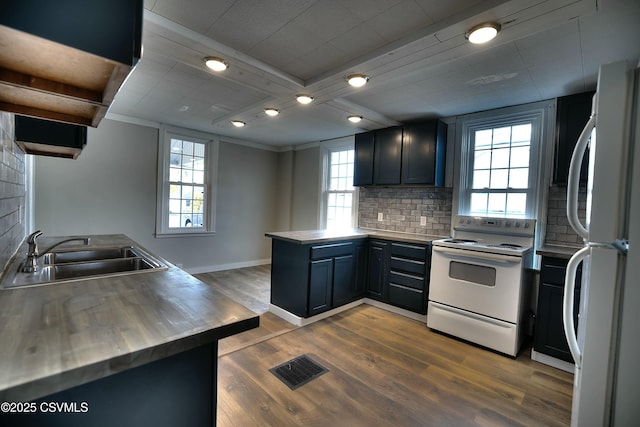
(559, 232)
(12, 191)
(402, 208)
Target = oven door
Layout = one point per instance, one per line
(483, 283)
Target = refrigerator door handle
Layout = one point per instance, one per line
(568, 303)
(573, 180)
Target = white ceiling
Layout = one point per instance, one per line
(419, 62)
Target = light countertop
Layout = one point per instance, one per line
(61, 335)
(319, 236)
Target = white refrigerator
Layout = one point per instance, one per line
(606, 347)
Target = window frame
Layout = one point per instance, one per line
(466, 188)
(546, 111)
(166, 133)
(327, 148)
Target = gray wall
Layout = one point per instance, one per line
(111, 188)
(306, 189)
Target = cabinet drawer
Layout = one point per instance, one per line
(406, 250)
(331, 250)
(408, 265)
(409, 298)
(398, 278)
(553, 274)
(553, 271)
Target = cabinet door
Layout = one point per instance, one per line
(549, 335)
(377, 269)
(343, 284)
(360, 268)
(320, 286)
(572, 114)
(423, 150)
(363, 166)
(387, 159)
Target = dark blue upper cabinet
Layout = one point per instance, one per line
(49, 138)
(413, 154)
(65, 60)
(363, 166)
(423, 153)
(387, 157)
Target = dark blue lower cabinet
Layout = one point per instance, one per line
(320, 286)
(378, 266)
(308, 279)
(179, 390)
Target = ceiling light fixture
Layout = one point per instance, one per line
(483, 33)
(357, 80)
(215, 63)
(238, 123)
(354, 119)
(304, 99)
(270, 111)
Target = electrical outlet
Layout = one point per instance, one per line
(423, 220)
(380, 216)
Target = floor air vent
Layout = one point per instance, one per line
(297, 372)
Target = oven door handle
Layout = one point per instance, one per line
(475, 255)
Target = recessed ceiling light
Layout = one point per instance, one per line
(270, 111)
(354, 119)
(304, 99)
(357, 80)
(215, 64)
(483, 33)
(238, 123)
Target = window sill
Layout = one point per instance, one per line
(184, 234)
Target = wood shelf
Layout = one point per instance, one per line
(45, 79)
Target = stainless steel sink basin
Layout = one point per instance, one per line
(60, 257)
(58, 266)
(93, 268)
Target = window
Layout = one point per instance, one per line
(185, 184)
(499, 174)
(500, 171)
(339, 195)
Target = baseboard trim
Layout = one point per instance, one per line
(302, 321)
(231, 266)
(397, 310)
(552, 361)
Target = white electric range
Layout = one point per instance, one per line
(478, 289)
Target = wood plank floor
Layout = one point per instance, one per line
(384, 370)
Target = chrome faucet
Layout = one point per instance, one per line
(31, 264)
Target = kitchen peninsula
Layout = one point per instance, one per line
(317, 273)
(127, 349)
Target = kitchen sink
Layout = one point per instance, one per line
(93, 268)
(60, 257)
(59, 266)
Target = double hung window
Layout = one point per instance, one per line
(499, 163)
(339, 195)
(185, 184)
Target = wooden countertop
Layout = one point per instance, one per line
(61, 335)
(320, 236)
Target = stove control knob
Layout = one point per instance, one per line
(507, 224)
(517, 225)
(526, 225)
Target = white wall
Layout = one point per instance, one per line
(111, 188)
